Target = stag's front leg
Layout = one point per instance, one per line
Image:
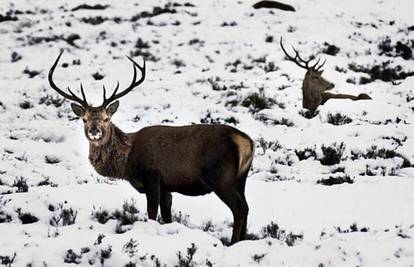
(152, 192)
(165, 205)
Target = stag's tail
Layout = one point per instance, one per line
(245, 146)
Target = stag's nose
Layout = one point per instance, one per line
(332, 85)
(94, 131)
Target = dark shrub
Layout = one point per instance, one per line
(382, 72)
(352, 228)
(15, 57)
(127, 216)
(333, 180)
(156, 261)
(157, 10)
(400, 49)
(98, 76)
(141, 44)
(337, 169)
(181, 218)
(50, 159)
(27, 217)
(89, 7)
(291, 239)
(374, 153)
(69, 216)
(31, 73)
(270, 67)
(178, 63)
(105, 254)
(332, 154)
(101, 215)
(215, 85)
(282, 121)
(63, 216)
(72, 257)
(229, 24)
(258, 257)
(265, 145)
(99, 239)
(4, 217)
(25, 104)
(56, 101)
(403, 50)
(187, 260)
(21, 185)
(256, 102)
(269, 39)
(306, 153)
(208, 226)
(145, 53)
(46, 181)
(7, 260)
(94, 20)
(272, 230)
(130, 247)
(338, 119)
(330, 49)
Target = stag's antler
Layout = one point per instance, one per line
(300, 61)
(106, 101)
(133, 84)
(70, 96)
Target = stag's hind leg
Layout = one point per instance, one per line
(241, 189)
(238, 206)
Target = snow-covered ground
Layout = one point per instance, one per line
(204, 59)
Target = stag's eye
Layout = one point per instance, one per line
(106, 120)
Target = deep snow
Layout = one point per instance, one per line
(365, 223)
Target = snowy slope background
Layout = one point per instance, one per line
(206, 63)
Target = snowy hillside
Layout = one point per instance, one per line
(333, 190)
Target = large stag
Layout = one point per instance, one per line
(157, 160)
(315, 87)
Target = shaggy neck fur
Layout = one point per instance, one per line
(110, 159)
(310, 100)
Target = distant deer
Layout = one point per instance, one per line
(315, 87)
(191, 160)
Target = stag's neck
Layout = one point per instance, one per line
(110, 159)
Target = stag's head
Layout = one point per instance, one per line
(313, 77)
(97, 120)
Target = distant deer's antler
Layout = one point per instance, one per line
(70, 96)
(300, 61)
(133, 84)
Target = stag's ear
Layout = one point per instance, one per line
(78, 110)
(112, 108)
(320, 72)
